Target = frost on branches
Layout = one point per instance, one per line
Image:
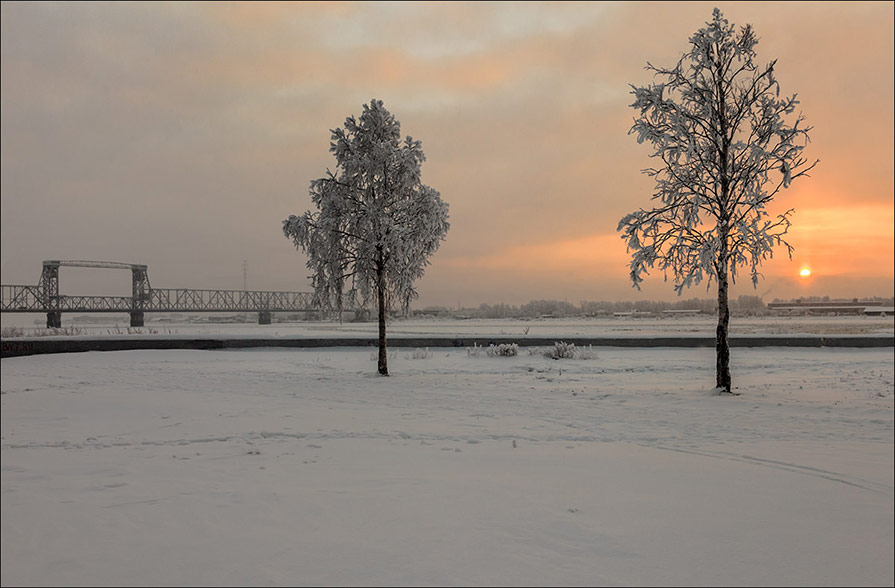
(726, 143)
(376, 223)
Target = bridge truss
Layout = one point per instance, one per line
(45, 297)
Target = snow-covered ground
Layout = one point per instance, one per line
(303, 467)
(115, 325)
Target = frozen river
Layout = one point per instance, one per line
(98, 325)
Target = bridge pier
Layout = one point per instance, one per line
(137, 319)
(264, 317)
(54, 319)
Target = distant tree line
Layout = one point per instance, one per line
(743, 305)
(885, 301)
(562, 308)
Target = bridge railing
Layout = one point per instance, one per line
(173, 299)
(30, 299)
(21, 298)
(94, 303)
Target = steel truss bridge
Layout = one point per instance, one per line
(45, 297)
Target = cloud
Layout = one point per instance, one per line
(581, 255)
(185, 132)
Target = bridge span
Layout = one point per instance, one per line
(45, 297)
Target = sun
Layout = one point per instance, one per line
(805, 272)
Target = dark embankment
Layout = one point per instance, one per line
(40, 345)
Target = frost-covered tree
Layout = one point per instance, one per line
(376, 223)
(726, 143)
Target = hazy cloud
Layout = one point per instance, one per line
(180, 134)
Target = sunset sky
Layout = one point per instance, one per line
(180, 135)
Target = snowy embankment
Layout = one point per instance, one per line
(695, 331)
(303, 467)
(43, 345)
(695, 325)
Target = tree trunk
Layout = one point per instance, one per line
(380, 291)
(722, 343)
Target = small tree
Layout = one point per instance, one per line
(716, 122)
(376, 223)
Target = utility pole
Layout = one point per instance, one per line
(245, 275)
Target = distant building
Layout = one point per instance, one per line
(431, 312)
(854, 306)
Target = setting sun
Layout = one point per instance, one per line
(805, 272)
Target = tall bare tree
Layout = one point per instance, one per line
(376, 223)
(726, 143)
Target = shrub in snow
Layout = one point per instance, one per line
(421, 353)
(12, 332)
(502, 350)
(563, 350)
(49, 332)
(587, 352)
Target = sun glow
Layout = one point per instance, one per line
(805, 272)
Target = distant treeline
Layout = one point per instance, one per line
(563, 308)
(882, 301)
(742, 305)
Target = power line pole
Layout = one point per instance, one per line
(245, 275)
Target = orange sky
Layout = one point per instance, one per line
(180, 135)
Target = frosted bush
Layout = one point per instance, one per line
(48, 332)
(503, 350)
(587, 352)
(563, 350)
(12, 332)
(421, 353)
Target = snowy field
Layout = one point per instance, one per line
(174, 325)
(303, 467)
